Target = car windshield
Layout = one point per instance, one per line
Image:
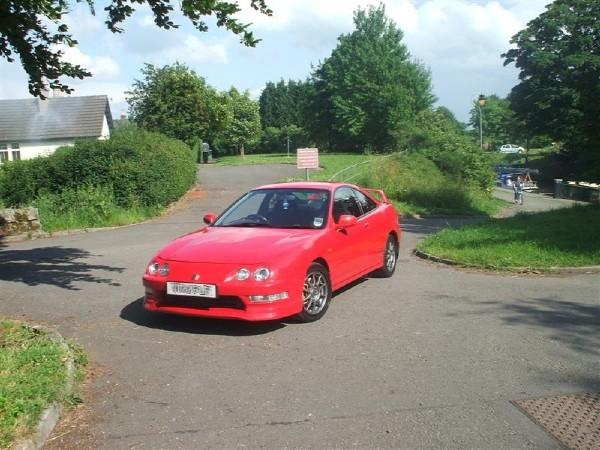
(278, 208)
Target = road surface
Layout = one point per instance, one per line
(430, 358)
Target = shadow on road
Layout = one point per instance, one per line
(570, 322)
(433, 225)
(134, 312)
(55, 266)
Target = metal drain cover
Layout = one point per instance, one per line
(572, 419)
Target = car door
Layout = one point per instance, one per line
(375, 236)
(348, 249)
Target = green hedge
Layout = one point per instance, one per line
(142, 169)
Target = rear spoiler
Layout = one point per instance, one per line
(378, 194)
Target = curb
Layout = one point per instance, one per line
(49, 417)
(553, 270)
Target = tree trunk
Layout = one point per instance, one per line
(242, 151)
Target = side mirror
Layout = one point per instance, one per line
(346, 221)
(210, 218)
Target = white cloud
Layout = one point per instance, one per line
(101, 67)
(193, 49)
(82, 22)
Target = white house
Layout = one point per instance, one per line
(33, 127)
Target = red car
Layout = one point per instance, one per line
(278, 251)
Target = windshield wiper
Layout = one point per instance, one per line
(297, 225)
(248, 223)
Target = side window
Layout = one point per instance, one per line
(344, 202)
(365, 202)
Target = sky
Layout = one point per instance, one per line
(460, 41)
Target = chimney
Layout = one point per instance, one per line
(46, 92)
(42, 105)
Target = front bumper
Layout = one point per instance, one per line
(233, 301)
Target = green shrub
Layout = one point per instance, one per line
(139, 167)
(417, 182)
(452, 150)
(86, 207)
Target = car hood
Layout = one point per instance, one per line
(222, 245)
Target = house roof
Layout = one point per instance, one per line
(32, 119)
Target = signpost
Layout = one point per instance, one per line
(307, 158)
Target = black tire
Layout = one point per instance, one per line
(390, 258)
(316, 293)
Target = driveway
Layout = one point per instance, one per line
(430, 358)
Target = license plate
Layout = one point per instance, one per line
(192, 289)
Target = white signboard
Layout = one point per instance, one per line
(307, 158)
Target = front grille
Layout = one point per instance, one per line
(183, 301)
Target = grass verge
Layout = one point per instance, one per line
(32, 377)
(560, 238)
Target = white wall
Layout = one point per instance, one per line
(105, 130)
(31, 150)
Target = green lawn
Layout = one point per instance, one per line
(560, 238)
(32, 376)
(331, 163)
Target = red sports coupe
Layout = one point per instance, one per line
(278, 251)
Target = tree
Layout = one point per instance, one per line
(244, 127)
(369, 87)
(558, 55)
(498, 122)
(34, 30)
(283, 115)
(173, 100)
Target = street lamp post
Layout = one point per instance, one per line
(480, 104)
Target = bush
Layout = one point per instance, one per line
(452, 150)
(422, 187)
(85, 207)
(141, 168)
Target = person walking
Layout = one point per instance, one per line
(518, 190)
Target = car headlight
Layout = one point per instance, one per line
(163, 270)
(262, 274)
(242, 274)
(155, 268)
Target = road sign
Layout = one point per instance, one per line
(307, 158)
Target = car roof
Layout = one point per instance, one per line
(306, 185)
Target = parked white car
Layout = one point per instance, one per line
(511, 148)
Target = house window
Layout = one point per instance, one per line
(14, 146)
(16, 155)
(3, 156)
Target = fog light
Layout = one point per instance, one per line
(268, 298)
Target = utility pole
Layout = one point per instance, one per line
(288, 145)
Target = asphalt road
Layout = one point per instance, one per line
(430, 358)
